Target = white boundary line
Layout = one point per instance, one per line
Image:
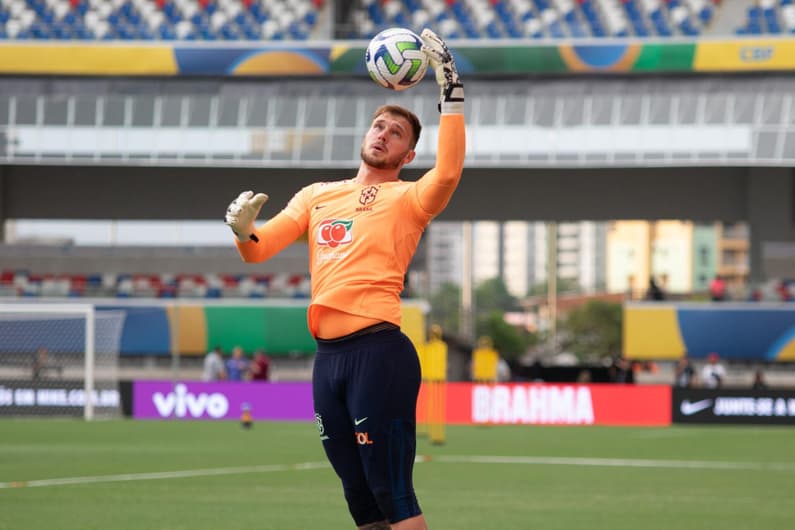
(447, 459)
(614, 462)
(129, 477)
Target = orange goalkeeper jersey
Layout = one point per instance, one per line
(362, 237)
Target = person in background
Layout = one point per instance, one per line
(260, 367)
(213, 369)
(41, 364)
(717, 289)
(237, 365)
(655, 292)
(759, 381)
(713, 374)
(622, 370)
(685, 373)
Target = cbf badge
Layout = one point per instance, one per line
(320, 428)
(368, 195)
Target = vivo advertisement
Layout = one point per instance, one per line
(190, 400)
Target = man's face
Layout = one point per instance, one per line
(387, 144)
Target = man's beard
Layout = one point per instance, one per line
(383, 163)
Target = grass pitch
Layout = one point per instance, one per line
(64, 475)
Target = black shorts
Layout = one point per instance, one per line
(365, 397)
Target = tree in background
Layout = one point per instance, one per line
(492, 301)
(593, 330)
(446, 307)
(510, 341)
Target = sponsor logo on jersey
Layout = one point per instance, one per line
(363, 438)
(334, 232)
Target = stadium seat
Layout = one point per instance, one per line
(158, 19)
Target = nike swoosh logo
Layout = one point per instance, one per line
(688, 408)
(357, 421)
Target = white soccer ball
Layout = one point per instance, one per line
(395, 60)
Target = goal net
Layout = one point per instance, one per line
(59, 360)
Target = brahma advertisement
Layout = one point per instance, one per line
(550, 404)
(465, 403)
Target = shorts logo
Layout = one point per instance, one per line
(334, 232)
(368, 195)
(320, 428)
(363, 438)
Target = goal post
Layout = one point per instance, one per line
(59, 359)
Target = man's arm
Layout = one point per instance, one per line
(259, 244)
(436, 187)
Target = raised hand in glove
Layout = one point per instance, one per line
(451, 99)
(241, 214)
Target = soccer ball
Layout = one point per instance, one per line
(395, 60)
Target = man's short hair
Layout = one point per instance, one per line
(416, 126)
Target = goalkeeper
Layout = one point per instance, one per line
(362, 234)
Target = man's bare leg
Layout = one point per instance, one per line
(413, 523)
(380, 525)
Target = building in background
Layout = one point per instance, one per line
(681, 256)
(517, 251)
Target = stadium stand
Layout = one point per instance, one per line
(23, 283)
(257, 20)
(538, 19)
(168, 20)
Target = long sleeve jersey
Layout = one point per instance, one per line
(363, 237)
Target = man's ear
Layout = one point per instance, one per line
(409, 157)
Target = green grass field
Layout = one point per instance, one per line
(62, 474)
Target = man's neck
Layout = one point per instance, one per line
(368, 175)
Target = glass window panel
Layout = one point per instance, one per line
(487, 107)
(143, 108)
(602, 110)
(515, 109)
(743, 108)
(228, 109)
(630, 110)
(544, 112)
(85, 111)
(257, 114)
(345, 112)
(286, 112)
(316, 112)
(572, 111)
(687, 109)
(766, 145)
(343, 147)
(171, 111)
(789, 147)
(771, 110)
(198, 111)
(55, 110)
(113, 112)
(660, 110)
(715, 111)
(5, 101)
(26, 110)
(312, 146)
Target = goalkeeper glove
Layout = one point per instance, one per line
(242, 212)
(451, 99)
